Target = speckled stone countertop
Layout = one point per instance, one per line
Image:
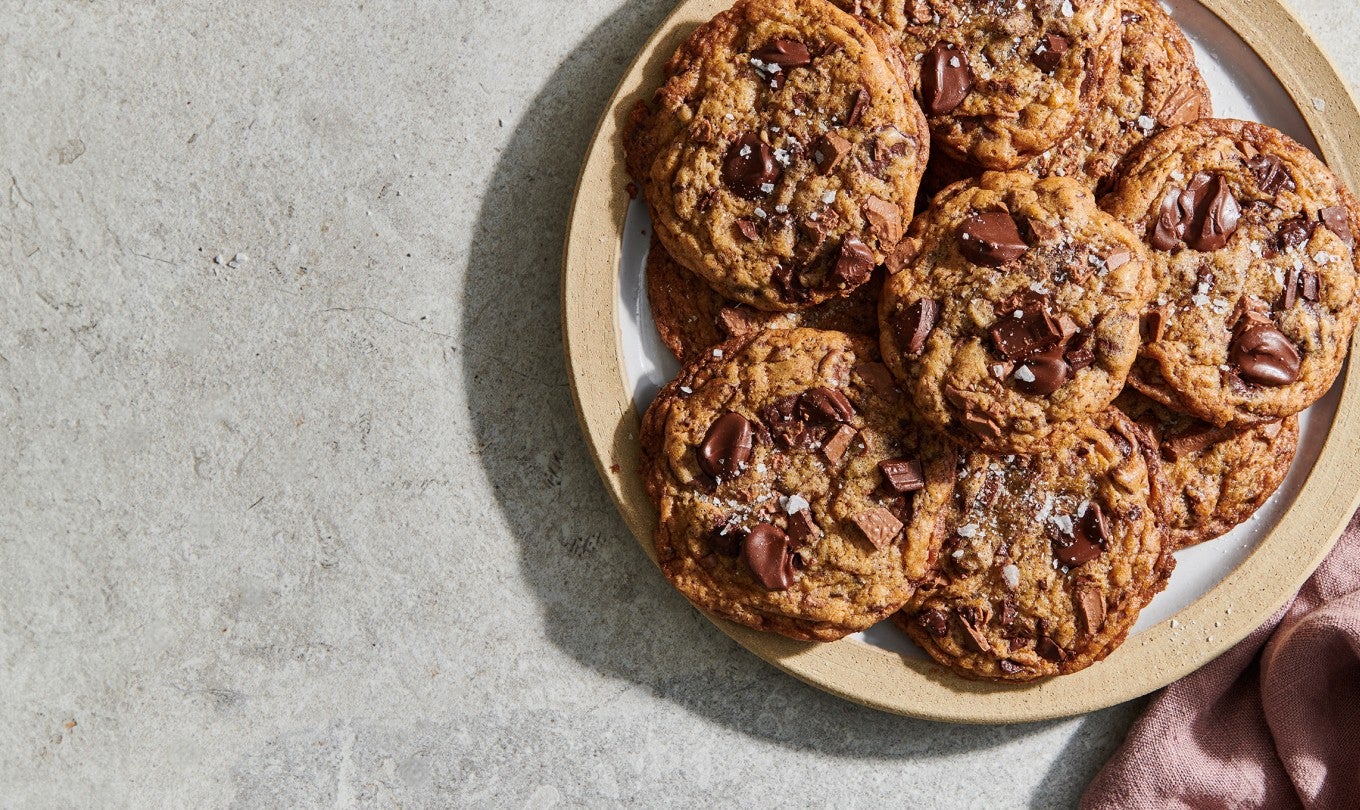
(294, 510)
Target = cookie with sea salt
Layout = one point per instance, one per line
(1048, 559)
(1158, 85)
(1252, 241)
(1216, 477)
(793, 494)
(1006, 80)
(1016, 311)
(780, 159)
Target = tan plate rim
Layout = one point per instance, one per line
(876, 677)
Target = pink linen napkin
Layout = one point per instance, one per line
(1274, 722)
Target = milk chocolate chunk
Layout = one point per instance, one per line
(1048, 54)
(945, 79)
(991, 239)
(972, 620)
(902, 474)
(854, 263)
(1337, 220)
(749, 166)
(1049, 650)
(1043, 373)
(1271, 175)
(1090, 609)
(857, 105)
(767, 553)
(1089, 534)
(802, 529)
(726, 447)
(787, 53)
(1264, 356)
(878, 525)
(823, 404)
(1293, 234)
(1214, 212)
(834, 448)
(885, 220)
(913, 325)
(1170, 224)
(934, 621)
(830, 150)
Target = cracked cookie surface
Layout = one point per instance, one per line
(793, 494)
(1048, 559)
(1252, 242)
(1215, 477)
(781, 157)
(1017, 311)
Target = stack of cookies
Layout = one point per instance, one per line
(991, 415)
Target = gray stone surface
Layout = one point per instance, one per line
(312, 524)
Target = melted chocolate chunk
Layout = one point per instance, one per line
(854, 264)
(767, 553)
(1090, 532)
(1043, 373)
(935, 622)
(914, 324)
(1033, 332)
(1264, 356)
(726, 447)
(1214, 214)
(991, 239)
(749, 165)
(825, 405)
(945, 79)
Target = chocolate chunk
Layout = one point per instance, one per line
(1043, 373)
(1264, 356)
(945, 79)
(1293, 233)
(726, 447)
(1078, 353)
(749, 165)
(1009, 667)
(1154, 323)
(1182, 106)
(830, 150)
(748, 229)
(902, 474)
(857, 105)
(1090, 532)
(785, 428)
(1271, 175)
(878, 525)
(1170, 225)
(1090, 608)
(787, 53)
(1337, 220)
(1007, 616)
(973, 620)
(1215, 213)
(934, 622)
(788, 284)
(1033, 332)
(900, 256)
(1309, 286)
(980, 423)
(991, 239)
(1193, 440)
(914, 324)
(739, 320)
(1049, 52)
(1130, 17)
(1117, 259)
(835, 447)
(1049, 650)
(803, 530)
(767, 553)
(854, 264)
(823, 404)
(885, 220)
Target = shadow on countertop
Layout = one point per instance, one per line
(601, 600)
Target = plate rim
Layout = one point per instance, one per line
(879, 678)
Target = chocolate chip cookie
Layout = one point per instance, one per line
(1158, 85)
(1216, 477)
(692, 318)
(1048, 559)
(793, 495)
(1004, 81)
(782, 155)
(1017, 311)
(1252, 242)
